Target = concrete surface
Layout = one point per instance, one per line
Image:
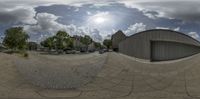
(61, 71)
(121, 77)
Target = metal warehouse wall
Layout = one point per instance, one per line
(165, 50)
(138, 45)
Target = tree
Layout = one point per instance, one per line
(49, 42)
(87, 40)
(15, 38)
(59, 42)
(62, 40)
(107, 43)
(97, 45)
(32, 45)
(70, 42)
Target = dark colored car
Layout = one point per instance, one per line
(101, 51)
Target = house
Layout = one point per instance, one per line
(116, 39)
(2, 47)
(91, 47)
(33, 46)
(77, 43)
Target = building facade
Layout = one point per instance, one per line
(159, 45)
(91, 47)
(116, 39)
(77, 43)
(2, 47)
(33, 46)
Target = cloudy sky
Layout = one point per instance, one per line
(99, 18)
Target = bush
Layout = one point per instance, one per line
(25, 55)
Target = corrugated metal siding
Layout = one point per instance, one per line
(138, 45)
(163, 50)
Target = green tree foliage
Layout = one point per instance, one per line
(87, 40)
(15, 38)
(107, 43)
(97, 45)
(71, 42)
(32, 45)
(60, 41)
(49, 42)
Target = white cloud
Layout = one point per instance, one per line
(194, 35)
(166, 28)
(150, 14)
(103, 16)
(187, 10)
(15, 11)
(77, 9)
(12, 11)
(47, 25)
(34, 3)
(23, 15)
(95, 34)
(177, 29)
(109, 36)
(138, 27)
(89, 13)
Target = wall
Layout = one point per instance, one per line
(138, 45)
(164, 50)
(117, 38)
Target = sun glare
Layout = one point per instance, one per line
(99, 20)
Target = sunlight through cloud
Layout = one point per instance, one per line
(100, 20)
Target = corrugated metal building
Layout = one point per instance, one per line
(116, 39)
(159, 45)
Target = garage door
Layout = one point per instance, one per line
(163, 50)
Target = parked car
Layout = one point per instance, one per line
(71, 52)
(93, 50)
(83, 50)
(106, 50)
(101, 51)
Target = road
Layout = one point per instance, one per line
(120, 77)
